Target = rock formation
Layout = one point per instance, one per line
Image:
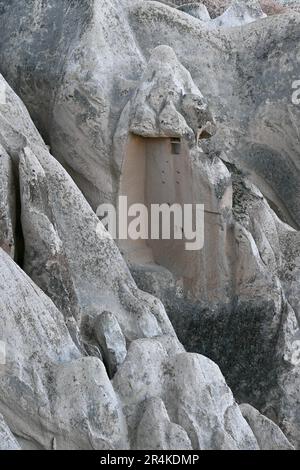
(268, 435)
(55, 389)
(117, 344)
(7, 440)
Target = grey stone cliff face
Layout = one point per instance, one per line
(134, 333)
(57, 363)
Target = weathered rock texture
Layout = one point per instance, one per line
(7, 440)
(217, 7)
(55, 389)
(7, 204)
(185, 382)
(162, 105)
(268, 435)
(47, 386)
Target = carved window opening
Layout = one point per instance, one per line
(175, 145)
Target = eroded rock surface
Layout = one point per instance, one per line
(168, 103)
(111, 340)
(142, 99)
(269, 436)
(7, 204)
(7, 440)
(55, 389)
(156, 432)
(45, 376)
(184, 382)
(198, 10)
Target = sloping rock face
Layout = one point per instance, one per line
(238, 14)
(268, 435)
(198, 10)
(45, 375)
(7, 440)
(184, 382)
(8, 204)
(217, 7)
(110, 85)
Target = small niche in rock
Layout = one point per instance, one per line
(176, 146)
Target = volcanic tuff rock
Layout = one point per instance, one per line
(198, 10)
(7, 440)
(218, 7)
(167, 103)
(143, 99)
(112, 341)
(51, 369)
(268, 435)
(7, 204)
